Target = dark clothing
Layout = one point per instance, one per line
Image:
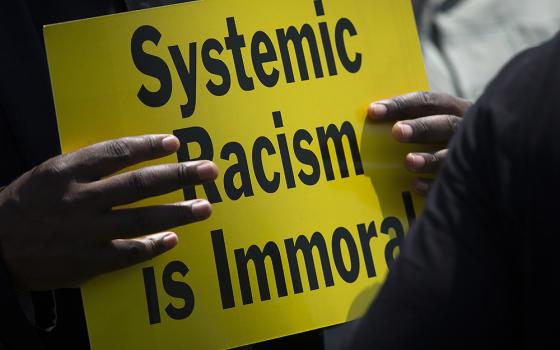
(28, 136)
(478, 269)
(28, 133)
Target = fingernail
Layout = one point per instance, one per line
(377, 110)
(206, 171)
(405, 130)
(417, 162)
(170, 240)
(170, 143)
(201, 209)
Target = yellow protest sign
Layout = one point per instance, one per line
(311, 203)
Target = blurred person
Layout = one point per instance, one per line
(477, 270)
(464, 44)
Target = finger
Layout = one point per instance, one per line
(105, 158)
(417, 104)
(425, 162)
(421, 186)
(149, 182)
(432, 129)
(123, 253)
(135, 222)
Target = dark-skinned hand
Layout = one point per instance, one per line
(425, 118)
(59, 222)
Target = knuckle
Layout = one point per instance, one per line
(453, 122)
(51, 169)
(431, 158)
(399, 103)
(151, 246)
(427, 98)
(182, 214)
(89, 194)
(138, 183)
(153, 145)
(421, 128)
(118, 149)
(76, 194)
(183, 173)
(52, 176)
(136, 251)
(41, 171)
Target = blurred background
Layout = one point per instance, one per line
(466, 42)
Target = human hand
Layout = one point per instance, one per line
(58, 225)
(426, 118)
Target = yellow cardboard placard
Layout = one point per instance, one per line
(311, 197)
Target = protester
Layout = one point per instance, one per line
(477, 271)
(464, 44)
